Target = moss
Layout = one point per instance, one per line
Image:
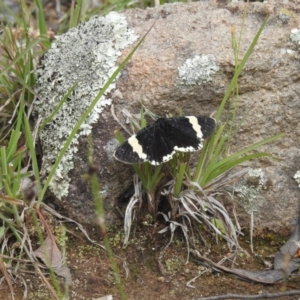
(40, 294)
(173, 264)
(149, 220)
(89, 250)
(116, 240)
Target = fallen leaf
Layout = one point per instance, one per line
(52, 257)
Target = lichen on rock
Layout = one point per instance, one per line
(85, 56)
(297, 177)
(295, 36)
(197, 70)
(249, 190)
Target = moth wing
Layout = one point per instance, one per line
(138, 148)
(126, 154)
(191, 131)
(156, 143)
(186, 137)
(207, 125)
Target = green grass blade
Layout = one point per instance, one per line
(231, 164)
(179, 179)
(12, 145)
(16, 175)
(208, 153)
(31, 146)
(239, 70)
(78, 14)
(253, 147)
(143, 120)
(119, 137)
(7, 188)
(20, 56)
(235, 158)
(41, 18)
(155, 178)
(140, 174)
(95, 186)
(57, 108)
(4, 161)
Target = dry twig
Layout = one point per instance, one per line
(260, 296)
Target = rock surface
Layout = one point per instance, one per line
(186, 62)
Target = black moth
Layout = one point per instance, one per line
(158, 142)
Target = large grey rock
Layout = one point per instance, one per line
(186, 62)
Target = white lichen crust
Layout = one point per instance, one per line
(250, 188)
(297, 177)
(197, 70)
(85, 55)
(295, 36)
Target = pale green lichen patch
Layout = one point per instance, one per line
(197, 70)
(285, 15)
(249, 190)
(295, 36)
(85, 55)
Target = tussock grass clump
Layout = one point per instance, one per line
(191, 192)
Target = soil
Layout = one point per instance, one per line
(92, 277)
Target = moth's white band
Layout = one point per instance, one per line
(136, 147)
(196, 126)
